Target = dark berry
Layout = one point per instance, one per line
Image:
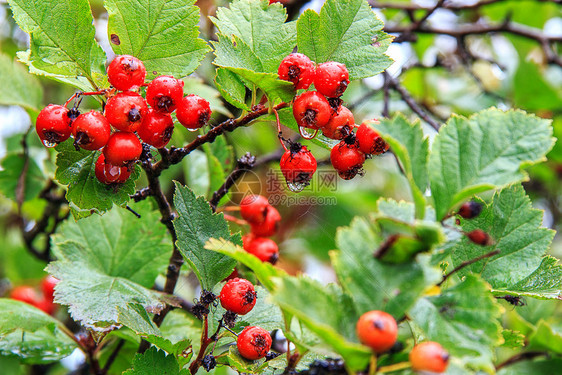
(253, 343)
(263, 248)
(193, 112)
(331, 79)
(91, 130)
(156, 128)
(311, 110)
(164, 93)
(298, 69)
(122, 149)
(347, 160)
(369, 141)
(125, 111)
(53, 125)
(479, 237)
(340, 124)
(238, 296)
(470, 210)
(377, 330)
(209, 362)
(126, 72)
(429, 356)
(298, 165)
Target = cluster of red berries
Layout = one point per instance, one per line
(264, 220)
(29, 295)
(322, 110)
(130, 115)
(239, 296)
(379, 331)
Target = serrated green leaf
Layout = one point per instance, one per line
(63, 46)
(327, 312)
(31, 334)
(85, 193)
(163, 34)
(264, 271)
(545, 337)
(24, 89)
(513, 339)
(231, 88)
(268, 82)
(241, 364)
(465, 320)
(515, 228)
(261, 28)
(155, 361)
(374, 284)
(195, 225)
(411, 148)
(483, 152)
(106, 263)
(348, 32)
(14, 166)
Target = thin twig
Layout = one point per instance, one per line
(244, 164)
(113, 356)
(413, 7)
(520, 357)
(468, 263)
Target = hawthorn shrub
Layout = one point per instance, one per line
(134, 192)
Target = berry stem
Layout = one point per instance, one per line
(394, 367)
(235, 220)
(279, 132)
(468, 263)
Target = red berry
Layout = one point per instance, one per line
(331, 79)
(298, 165)
(429, 356)
(122, 149)
(238, 296)
(340, 125)
(164, 93)
(156, 128)
(479, 237)
(125, 111)
(269, 225)
(110, 174)
(46, 305)
(193, 112)
(25, 294)
(91, 130)
(347, 160)
(253, 208)
(298, 69)
(48, 286)
(253, 343)
(470, 210)
(311, 110)
(369, 141)
(126, 72)
(377, 330)
(53, 125)
(263, 248)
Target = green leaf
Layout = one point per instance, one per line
(465, 320)
(374, 284)
(513, 339)
(207, 92)
(348, 32)
(162, 33)
(326, 311)
(231, 88)
(485, 151)
(536, 367)
(515, 228)
(264, 271)
(31, 334)
(261, 28)
(106, 263)
(25, 89)
(546, 338)
(195, 225)
(155, 361)
(411, 148)
(14, 166)
(85, 193)
(61, 46)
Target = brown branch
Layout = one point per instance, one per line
(113, 356)
(468, 263)
(520, 357)
(409, 7)
(244, 164)
(419, 22)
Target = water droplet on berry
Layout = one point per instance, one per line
(48, 144)
(111, 172)
(296, 187)
(306, 134)
(192, 130)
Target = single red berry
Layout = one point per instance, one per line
(156, 128)
(25, 294)
(298, 69)
(429, 356)
(470, 210)
(331, 79)
(377, 330)
(122, 149)
(126, 72)
(311, 110)
(253, 343)
(340, 125)
(193, 112)
(53, 125)
(369, 141)
(91, 131)
(298, 165)
(46, 305)
(164, 93)
(263, 248)
(110, 174)
(48, 287)
(238, 296)
(269, 225)
(347, 160)
(479, 237)
(253, 208)
(125, 111)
